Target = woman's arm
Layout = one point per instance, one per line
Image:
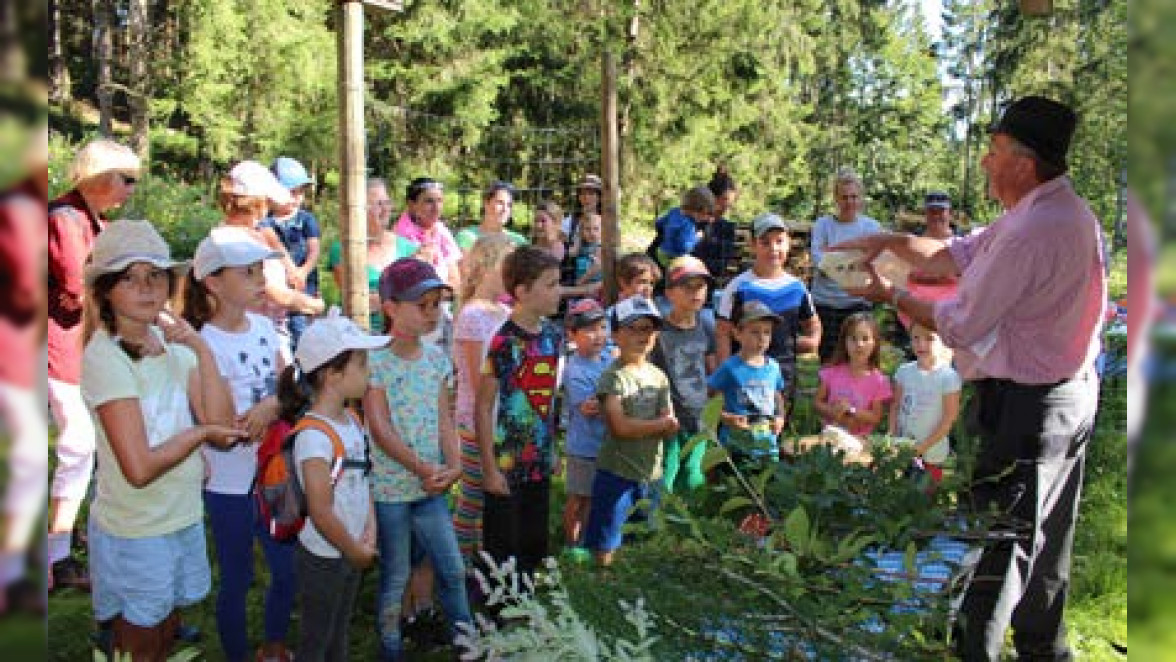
(951, 410)
(141, 464)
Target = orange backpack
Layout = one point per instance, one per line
(277, 492)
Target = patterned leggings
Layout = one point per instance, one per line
(467, 517)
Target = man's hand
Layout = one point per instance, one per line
(879, 290)
(870, 245)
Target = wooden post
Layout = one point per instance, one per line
(353, 162)
(611, 174)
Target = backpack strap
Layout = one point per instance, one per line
(340, 461)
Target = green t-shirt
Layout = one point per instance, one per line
(644, 392)
(404, 248)
(468, 236)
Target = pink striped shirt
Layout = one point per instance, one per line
(1032, 291)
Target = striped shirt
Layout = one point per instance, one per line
(1032, 291)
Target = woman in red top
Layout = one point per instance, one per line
(103, 176)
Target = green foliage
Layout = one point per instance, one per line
(541, 623)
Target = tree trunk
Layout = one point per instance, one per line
(12, 61)
(139, 92)
(60, 86)
(103, 56)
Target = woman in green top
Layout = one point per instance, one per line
(383, 248)
(497, 201)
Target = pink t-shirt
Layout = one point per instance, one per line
(861, 392)
(477, 321)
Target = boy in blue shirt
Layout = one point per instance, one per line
(300, 234)
(677, 231)
(753, 391)
(585, 431)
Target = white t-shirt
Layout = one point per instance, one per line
(828, 231)
(477, 321)
(352, 499)
(160, 384)
(249, 363)
(921, 407)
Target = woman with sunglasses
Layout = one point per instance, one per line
(102, 177)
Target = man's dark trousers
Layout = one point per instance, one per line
(1029, 466)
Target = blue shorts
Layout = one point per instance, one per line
(145, 579)
(613, 498)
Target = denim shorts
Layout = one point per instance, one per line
(146, 579)
(579, 475)
(613, 497)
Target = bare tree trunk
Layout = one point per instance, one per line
(60, 86)
(12, 60)
(103, 55)
(140, 87)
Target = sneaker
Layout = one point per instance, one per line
(26, 597)
(576, 555)
(70, 573)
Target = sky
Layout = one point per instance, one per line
(933, 10)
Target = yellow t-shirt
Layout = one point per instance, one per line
(160, 384)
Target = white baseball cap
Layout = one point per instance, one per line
(228, 247)
(330, 336)
(255, 180)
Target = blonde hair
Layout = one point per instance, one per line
(846, 175)
(234, 204)
(102, 157)
(484, 257)
(553, 211)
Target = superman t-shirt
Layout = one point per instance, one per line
(526, 366)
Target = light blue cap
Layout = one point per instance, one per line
(291, 173)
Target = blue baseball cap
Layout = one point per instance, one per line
(291, 173)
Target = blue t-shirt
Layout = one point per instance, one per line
(585, 433)
(785, 296)
(294, 233)
(749, 391)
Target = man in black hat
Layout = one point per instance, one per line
(1025, 329)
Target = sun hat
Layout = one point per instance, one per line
(757, 310)
(124, 243)
(228, 247)
(255, 180)
(407, 279)
(582, 313)
(330, 336)
(101, 156)
(632, 309)
(1041, 124)
(290, 173)
(591, 182)
(766, 222)
(685, 267)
